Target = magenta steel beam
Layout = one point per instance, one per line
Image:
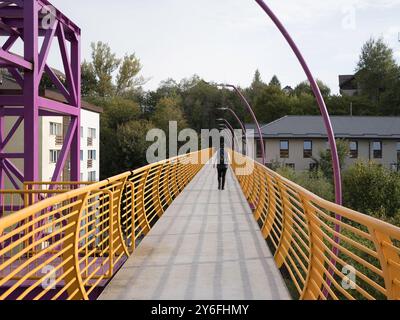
(24, 20)
(76, 74)
(253, 115)
(326, 119)
(31, 91)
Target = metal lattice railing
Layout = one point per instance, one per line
(75, 240)
(301, 229)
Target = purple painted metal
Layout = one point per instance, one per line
(24, 20)
(253, 115)
(236, 117)
(325, 115)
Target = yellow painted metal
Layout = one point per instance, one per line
(300, 229)
(75, 236)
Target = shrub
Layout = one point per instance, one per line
(372, 189)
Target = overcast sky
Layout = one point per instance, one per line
(227, 40)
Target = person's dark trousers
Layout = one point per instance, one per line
(222, 169)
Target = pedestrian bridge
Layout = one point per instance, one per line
(166, 232)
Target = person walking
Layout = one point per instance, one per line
(221, 161)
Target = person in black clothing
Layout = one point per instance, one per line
(222, 167)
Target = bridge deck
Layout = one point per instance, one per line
(207, 246)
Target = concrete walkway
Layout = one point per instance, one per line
(207, 246)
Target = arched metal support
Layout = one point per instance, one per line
(318, 95)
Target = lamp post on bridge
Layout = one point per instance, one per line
(240, 122)
(327, 123)
(251, 111)
(225, 123)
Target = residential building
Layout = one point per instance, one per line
(52, 131)
(297, 141)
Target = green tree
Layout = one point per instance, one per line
(104, 64)
(169, 109)
(275, 82)
(271, 103)
(88, 78)
(97, 75)
(377, 69)
(126, 79)
(305, 88)
(132, 144)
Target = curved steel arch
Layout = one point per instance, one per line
(326, 118)
(318, 95)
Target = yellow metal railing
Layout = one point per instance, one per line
(76, 240)
(32, 192)
(300, 227)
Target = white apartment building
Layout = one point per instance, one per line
(53, 130)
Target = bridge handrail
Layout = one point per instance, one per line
(299, 227)
(75, 241)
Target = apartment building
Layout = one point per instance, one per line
(297, 141)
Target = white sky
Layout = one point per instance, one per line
(227, 40)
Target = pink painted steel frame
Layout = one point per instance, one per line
(23, 19)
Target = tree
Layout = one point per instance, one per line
(169, 109)
(88, 78)
(376, 70)
(132, 144)
(97, 75)
(127, 72)
(275, 82)
(271, 104)
(104, 64)
(305, 88)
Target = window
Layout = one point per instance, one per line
(54, 155)
(81, 177)
(91, 154)
(259, 149)
(377, 149)
(398, 152)
(81, 155)
(308, 146)
(284, 148)
(81, 132)
(92, 133)
(92, 176)
(55, 129)
(353, 149)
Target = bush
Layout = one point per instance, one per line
(315, 182)
(372, 189)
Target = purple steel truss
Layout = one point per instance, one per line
(31, 21)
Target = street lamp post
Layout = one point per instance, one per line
(327, 123)
(241, 125)
(230, 128)
(251, 111)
